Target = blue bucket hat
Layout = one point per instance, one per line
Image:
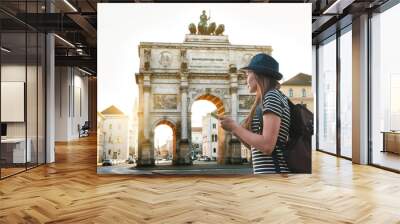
(264, 64)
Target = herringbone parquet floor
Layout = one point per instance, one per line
(70, 191)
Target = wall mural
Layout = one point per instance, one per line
(245, 101)
(165, 101)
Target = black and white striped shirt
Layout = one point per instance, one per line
(276, 102)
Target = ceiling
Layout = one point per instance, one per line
(76, 22)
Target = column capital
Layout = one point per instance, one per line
(184, 88)
(233, 87)
(232, 68)
(183, 75)
(233, 90)
(146, 88)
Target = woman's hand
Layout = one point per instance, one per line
(227, 123)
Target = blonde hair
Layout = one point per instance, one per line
(264, 84)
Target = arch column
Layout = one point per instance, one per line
(184, 113)
(183, 152)
(233, 143)
(145, 152)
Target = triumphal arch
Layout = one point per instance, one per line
(172, 76)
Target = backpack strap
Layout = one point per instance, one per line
(276, 162)
(259, 115)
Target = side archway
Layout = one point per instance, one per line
(172, 125)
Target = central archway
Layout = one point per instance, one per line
(220, 108)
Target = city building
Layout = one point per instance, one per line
(115, 131)
(165, 151)
(133, 131)
(210, 137)
(299, 90)
(197, 141)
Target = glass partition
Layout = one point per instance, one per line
(41, 109)
(346, 93)
(327, 96)
(13, 105)
(23, 90)
(385, 89)
(31, 100)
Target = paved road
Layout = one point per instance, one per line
(206, 168)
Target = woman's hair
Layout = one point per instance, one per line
(264, 84)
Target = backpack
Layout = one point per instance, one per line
(297, 150)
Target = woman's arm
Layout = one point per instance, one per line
(265, 142)
(243, 142)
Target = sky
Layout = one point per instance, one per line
(122, 26)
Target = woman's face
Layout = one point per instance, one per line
(251, 81)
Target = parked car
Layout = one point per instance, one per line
(107, 162)
(131, 160)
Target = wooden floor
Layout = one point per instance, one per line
(70, 191)
(387, 159)
(10, 171)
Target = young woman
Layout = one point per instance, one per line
(266, 140)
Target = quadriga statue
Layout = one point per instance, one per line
(220, 29)
(192, 28)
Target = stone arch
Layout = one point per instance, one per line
(213, 98)
(173, 126)
(221, 109)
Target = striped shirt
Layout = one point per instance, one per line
(273, 101)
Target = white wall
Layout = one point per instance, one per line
(71, 102)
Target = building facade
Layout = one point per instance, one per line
(133, 131)
(210, 137)
(114, 132)
(299, 90)
(197, 141)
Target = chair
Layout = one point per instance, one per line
(84, 130)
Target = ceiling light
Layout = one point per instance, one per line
(84, 71)
(338, 6)
(64, 40)
(70, 5)
(5, 50)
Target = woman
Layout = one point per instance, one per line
(267, 140)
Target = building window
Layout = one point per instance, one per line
(214, 138)
(214, 150)
(346, 94)
(303, 93)
(385, 88)
(327, 96)
(214, 126)
(290, 92)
